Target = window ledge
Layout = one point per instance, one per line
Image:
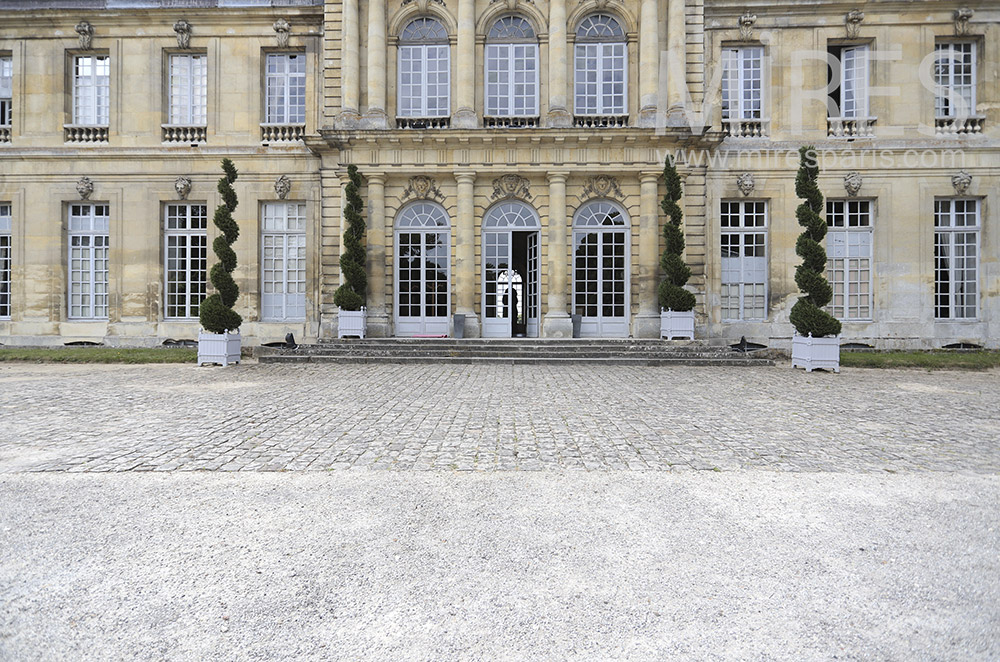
(601, 121)
(510, 122)
(80, 133)
(959, 126)
(282, 133)
(423, 122)
(745, 128)
(850, 127)
(182, 133)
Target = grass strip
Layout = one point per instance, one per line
(99, 355)
(929, 360)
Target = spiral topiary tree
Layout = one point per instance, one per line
(351, 295)
(216, 312)
(672, 294)
(808, 316)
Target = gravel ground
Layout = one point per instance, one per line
(748, 565)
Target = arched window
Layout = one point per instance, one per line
(511, 70)
(601, 268)
(424, 70)
(601, 67)
(423, 250)
(511, 215)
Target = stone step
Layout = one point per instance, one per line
(519, 360)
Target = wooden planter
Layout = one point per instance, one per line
(352, 323)
(221, 348)
(677, 326)
(816, 353)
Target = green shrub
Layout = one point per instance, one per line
(673, 296)
(351, 295)
(807, 314)
(216, 313)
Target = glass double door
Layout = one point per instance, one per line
(600, 282)
(510, 284)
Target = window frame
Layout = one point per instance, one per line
(423, 49)
(860, 84)
(90, 231)
(843, 311)
(506, 50)
(952, 231)
(6, 258)
(188, 233)
(618, 47)
(942, 100)
(6, 91)
(284, 300)
(287, 101)
(98, 107)
(740, 54)
(194, 112)
(743, 232)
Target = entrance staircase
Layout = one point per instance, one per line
(517, 351)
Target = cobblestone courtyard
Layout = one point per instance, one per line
(485, 418)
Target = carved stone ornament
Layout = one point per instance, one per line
(603, 186)
(183, 187)
(853, 23)
(283, 30)
(512, 4)
(746, 26)
(86, 32)
(422, 187)
(422, 4)
(745, 183)
(282, 187)
(852, 183)
(85, 187)
(962, 17)
(511, 186)
(962, 181)
(183, 30)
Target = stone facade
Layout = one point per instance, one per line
(680, 63)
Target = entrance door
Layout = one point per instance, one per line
(510, 272)
(600, 270)
(423, 245)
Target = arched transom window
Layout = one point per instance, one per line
(511, 69)
(510, 215)
(424, 70)
(599, 214)
(601, 67)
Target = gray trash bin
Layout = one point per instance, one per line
(577, 323)
(459, 326)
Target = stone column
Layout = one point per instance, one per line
(647, 322)
(465, 252)
(676, 64)
(464, 116)
(375, 117)
(560, 114)
(649, 61)
(557, 322)
(351, 67)
(378, 318)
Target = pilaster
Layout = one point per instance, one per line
(465, 252)
(649, 61)
(351, 76)
(676, 64)
(376, 117)
(559, 113)
(378, 318)
(557, 322)
(647, 322)
(464, 116)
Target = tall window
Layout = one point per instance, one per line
(955, 76)
(848, 82)
(601, 63)
(283, 261)
(956, 258)
(424, 70)
(91, 90)
(423, 247)
(744, 260)
(185, 259)
(285, 88)
(188, 89)
(88, 261)
(742, 83)
(6, 91)
(512, 69)
(849, 251)
(5, 259)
